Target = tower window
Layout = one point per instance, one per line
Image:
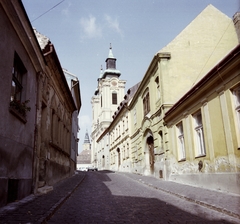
(114, 98)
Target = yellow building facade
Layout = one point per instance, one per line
(204, 129)
(172, 72)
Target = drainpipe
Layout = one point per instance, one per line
(35, 163)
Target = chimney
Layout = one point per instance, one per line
(236, 21)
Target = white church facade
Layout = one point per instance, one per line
(107, 96)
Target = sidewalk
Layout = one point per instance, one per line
(223, 202)
(38, 209)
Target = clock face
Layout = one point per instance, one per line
(114, 83)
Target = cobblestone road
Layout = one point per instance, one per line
(107, 197)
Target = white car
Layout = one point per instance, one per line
(83, 169)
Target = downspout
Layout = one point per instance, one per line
(35, 163)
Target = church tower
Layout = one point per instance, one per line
(109, 93)
(86, 143)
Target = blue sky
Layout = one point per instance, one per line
(82, 31)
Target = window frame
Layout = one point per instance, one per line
(114, 98)
(18, 105)
(236, 98)
(158, 95)
(146, 102)
(181, 142)
(200, 147)
(18, 72)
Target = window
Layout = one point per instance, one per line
(135, 116)
(158, 88)
(160, 140)
(236, 93)
(181, 146)
(114, 98)
(146, 103)
(17, 77)
(18, 106)
(199, 135)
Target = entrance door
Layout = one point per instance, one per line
(150, 143)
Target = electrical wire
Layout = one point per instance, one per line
(48, 11)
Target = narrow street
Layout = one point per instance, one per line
(108, 197)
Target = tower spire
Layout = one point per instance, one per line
(110, 55)
(86, 139)
(101, 72)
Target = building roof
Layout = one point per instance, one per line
(84, 157)
(130, 93)
(42, 40)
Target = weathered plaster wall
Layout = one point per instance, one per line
(196, 50)
(16, 136)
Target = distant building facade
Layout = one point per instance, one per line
(74, 86)
(84, 157)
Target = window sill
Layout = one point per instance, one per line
(199, 156)
(18, 115)
(182, 160)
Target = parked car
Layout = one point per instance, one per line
(92, 169)
(83, 169)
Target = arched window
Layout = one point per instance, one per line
(146, 102)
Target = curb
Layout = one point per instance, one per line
(202, 203)
(55, 207)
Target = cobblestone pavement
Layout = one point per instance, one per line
(108, 197)
(37, 209)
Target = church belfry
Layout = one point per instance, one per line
(109, 93)
(111, 70)
(110, 61)
(86, 139)
(86, 143)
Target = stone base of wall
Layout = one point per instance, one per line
(14, 189)
(227, 182)
(56, 172)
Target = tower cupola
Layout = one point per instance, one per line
(110, 61)
(111, 70)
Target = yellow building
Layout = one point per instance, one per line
(171, 73)
(204, 129)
